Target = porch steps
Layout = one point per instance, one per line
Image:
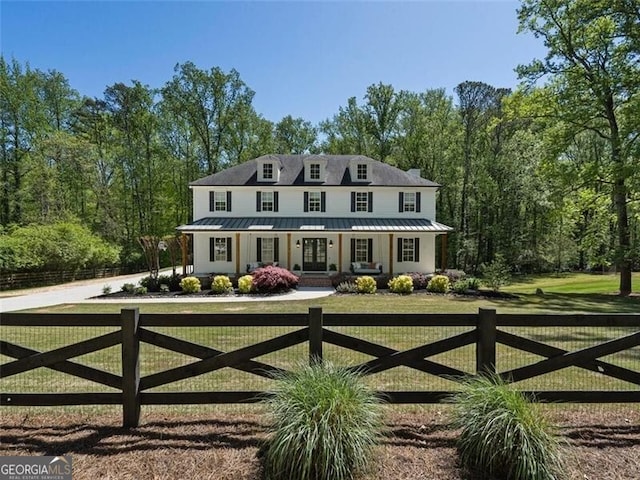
(310, 280)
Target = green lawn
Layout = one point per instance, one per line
(574, 292)
(561, 294)
(572, 283)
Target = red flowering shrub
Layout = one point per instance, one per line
(273, 280)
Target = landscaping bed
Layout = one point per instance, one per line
(602, 443)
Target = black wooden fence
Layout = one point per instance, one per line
(485, 333)
(13, 281)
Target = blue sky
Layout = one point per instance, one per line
(301, 58)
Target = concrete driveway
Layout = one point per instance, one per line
(76, 292)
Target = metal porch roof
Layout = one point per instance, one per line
(333, 224)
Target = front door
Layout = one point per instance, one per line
(314, 255)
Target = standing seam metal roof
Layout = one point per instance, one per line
(315, 224)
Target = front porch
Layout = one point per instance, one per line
(317, 246)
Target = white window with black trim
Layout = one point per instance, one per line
(219, 201)
(266, 201)
(409, 202)
(268, 249)
(315, 202)
(220, 249)
(408, 249)
(362, 201)
(362, 250)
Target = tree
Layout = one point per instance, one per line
(382, 110)
(209, 101)
(592, 84)
(295, 136)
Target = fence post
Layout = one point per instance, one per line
(315, 335)
(130, 367)
(486, 341)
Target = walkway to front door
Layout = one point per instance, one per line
(314, 255)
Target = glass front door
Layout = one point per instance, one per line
(314, 255)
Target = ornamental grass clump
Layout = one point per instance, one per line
(324, 425)
(190, 285)
(221, 284)
(366, 284)
(502, 434)
(245, 284)
(402, 284)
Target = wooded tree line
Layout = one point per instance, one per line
(547, 176)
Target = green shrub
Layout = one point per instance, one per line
(57, 246)
(140, 290)
(438, 284)
(473, 283)
(190, 285)
(171, 281)
(150, 283)
(461, 286)
(402, 284)
(128, 287)
(496, 274)
(221, 284)
(502, 434)
(245, 284)
(106, 289)
(324, 425)
(346, 287)
(365, 284)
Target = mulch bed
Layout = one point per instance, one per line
(602, 443)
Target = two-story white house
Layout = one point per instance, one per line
(315, 212)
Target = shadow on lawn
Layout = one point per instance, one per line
(572, 303)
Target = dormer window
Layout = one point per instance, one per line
(314, 171)
(361, 172)
(267, 171)
(360, 169)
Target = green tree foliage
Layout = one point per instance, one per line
(212, 103)
(295, 136)
(592, 84)
(58, 246)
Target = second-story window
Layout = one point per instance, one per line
(409, 202)
(219, 201)
(361, 171)
(314, 171)
(314, 202)
(362, 201)
(267, 202)
(267, 171)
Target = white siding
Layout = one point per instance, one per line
(291, 202)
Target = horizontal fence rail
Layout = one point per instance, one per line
(16, 280)
(485, 332)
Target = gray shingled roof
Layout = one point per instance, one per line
(332, 224)
(292, 173)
